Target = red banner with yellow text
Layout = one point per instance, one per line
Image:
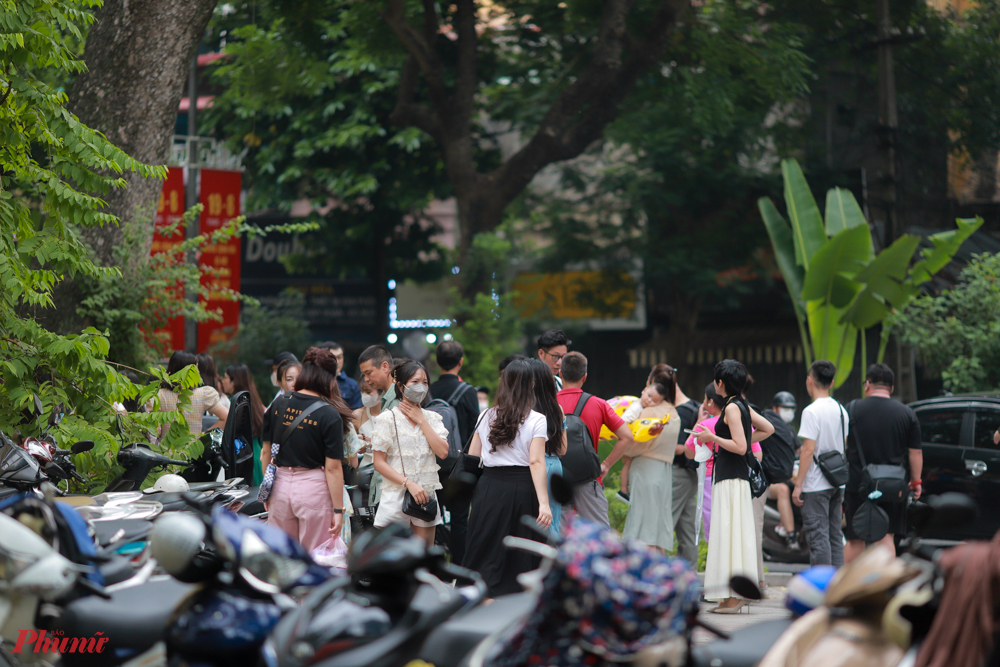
(220, 195)
(168, 212)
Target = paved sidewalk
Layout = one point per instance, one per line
(770, 608)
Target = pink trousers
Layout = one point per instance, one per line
(300, 505)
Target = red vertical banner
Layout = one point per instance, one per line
(220, 195)
(168, 212)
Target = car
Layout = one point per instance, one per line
(959, 455)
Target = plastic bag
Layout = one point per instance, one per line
(331, 554)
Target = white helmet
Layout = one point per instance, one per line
(175, 540)
(171, 482)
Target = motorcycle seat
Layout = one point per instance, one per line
(135, 529)
(458, 636)
(133, 620)
(744, 648)
(117, 570)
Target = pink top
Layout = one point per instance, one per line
(710, 425)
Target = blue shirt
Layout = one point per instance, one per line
(349, 390)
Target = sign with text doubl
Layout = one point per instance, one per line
(168, 212)
(220, 196)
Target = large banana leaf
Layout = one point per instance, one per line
(842, 211)
(784, 254)
(884, 282)
(830, 276)
(946, 244)
(807, 225)
(831, 339)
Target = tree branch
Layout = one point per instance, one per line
(422, 51)
(465, 80)
(407, 112)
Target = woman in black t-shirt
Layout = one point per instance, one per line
(307, 499)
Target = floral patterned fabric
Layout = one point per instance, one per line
(419, 464)
(604, 600)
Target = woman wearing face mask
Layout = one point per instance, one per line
(364, 417)
(405, 442)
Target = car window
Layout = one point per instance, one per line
(987, 422)
(942, 427)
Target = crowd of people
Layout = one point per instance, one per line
(542, 422)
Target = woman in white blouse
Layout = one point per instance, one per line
(405, 442)
(510, 438)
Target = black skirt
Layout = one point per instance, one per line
(503, 495)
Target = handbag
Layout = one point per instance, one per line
(870, 522)
(888, 479)
(267, 483)
(466, 462)
(429, 510)
(757, 478)
(832, 464)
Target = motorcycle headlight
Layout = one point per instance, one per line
(265, 570)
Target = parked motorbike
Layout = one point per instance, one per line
(776, 547)
(877, 609)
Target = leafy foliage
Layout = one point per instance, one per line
(957, 332)
(49, 165)
(838, 286)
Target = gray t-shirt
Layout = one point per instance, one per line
(824, 421)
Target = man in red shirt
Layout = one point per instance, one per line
(588, 497)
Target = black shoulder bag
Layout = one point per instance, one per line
(887, 478)
(758, 480)
(832, 464)
(429, 510)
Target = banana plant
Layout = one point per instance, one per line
(838, 285)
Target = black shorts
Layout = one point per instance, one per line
(896, 512)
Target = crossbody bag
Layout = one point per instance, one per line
(889, 479)
(833, 464)
(267, 483)
(429, 510)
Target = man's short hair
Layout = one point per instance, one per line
(329, 345)
(574, 367)
(881, 374)
(552, 338)
(510, 358)
(449, 354)
(377, 355)
(823, 372)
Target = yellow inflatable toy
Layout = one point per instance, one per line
(640, 427)
(619, 404)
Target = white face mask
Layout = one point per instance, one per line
(274, 378)
(369, 400)
(484, 406)
(786, 414)
(415, 393)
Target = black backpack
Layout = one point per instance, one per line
(688, 413)
(580, 462)
(450, 419)
(778, 450)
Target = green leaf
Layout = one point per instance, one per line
(842, 211)
(784, 251)
(807, 225)
(832, 340)
(946, 244)
(830, 276)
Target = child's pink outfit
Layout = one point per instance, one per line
(706, 497)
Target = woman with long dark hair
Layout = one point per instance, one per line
(203, 399)
(555, 442)
(238, 378)
(405, 442)
(510, 439)
(307, 499)
(210, 376)
(732, 545)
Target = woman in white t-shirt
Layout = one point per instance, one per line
(510, 439)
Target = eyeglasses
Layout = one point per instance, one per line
(557, 357)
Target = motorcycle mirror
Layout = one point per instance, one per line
(745, 587)
(38, 406)
(119, 427)
(82, 446)
(460, 488)
(952, 510)
(562, 491)
(57, 415)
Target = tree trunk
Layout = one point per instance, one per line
(684, 312)
(137, 54)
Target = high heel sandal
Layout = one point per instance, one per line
(735, 609)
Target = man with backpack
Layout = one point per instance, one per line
(457, 402)
(585, 415)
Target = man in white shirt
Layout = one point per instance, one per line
(823, 429)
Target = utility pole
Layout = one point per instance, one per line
(888, 123)
(191, 196)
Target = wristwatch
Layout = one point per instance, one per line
(338, 510)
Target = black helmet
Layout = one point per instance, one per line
(784, 399)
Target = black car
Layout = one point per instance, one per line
(959, 455)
